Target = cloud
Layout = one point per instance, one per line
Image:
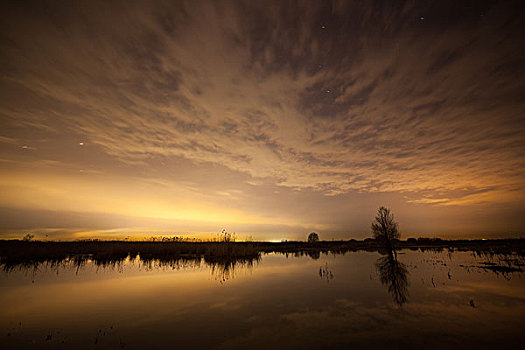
(332, 98)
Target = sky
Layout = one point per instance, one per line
(270, 119)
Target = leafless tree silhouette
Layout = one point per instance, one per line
(385, 229)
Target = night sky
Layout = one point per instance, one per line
(270, 119)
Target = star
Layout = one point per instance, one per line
(323, 26)
(422, 18)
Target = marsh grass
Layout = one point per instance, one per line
(224, 253)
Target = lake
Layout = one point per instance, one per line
(436, 299)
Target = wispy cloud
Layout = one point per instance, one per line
(333, 99)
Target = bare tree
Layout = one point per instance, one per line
(385, 228)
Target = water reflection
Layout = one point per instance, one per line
(222, 269)
(325, 273)
(501, 264)
(148, 301)
(314, 254)
(394, 275)
(392, 272)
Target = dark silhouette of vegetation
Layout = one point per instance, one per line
(313, 237)
(226, 237)
(29, 237)
(21, 253)
(314, 254)
(385, 229)
(326, 273)
(394, 275)
(29, 253)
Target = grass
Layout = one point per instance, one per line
(23, 252)
(225, 256)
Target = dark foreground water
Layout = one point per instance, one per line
(361, 299)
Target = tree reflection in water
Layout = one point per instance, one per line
(394, 275)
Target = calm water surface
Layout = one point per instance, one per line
(362, 299)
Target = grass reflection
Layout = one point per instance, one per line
(498, 256)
